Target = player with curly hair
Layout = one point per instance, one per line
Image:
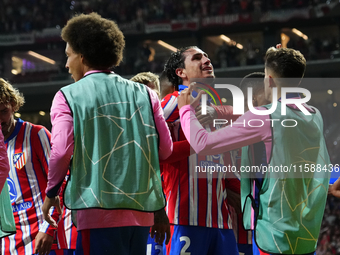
(109, 126)
(28, 148)
(149, 79)
(197, 206)
(284, 209)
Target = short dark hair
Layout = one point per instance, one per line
(285, 62)
(99, 40)
(165, 84)
(176, 60)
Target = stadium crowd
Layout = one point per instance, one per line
(24, 16)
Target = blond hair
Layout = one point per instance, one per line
(146, 78)
(10, 95)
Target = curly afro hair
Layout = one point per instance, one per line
(99, 40)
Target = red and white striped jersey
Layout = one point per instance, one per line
(67, 232)
(28, 150)
(195, 198)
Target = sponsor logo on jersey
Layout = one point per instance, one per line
(12, 190)
(21, 207)
(204, 163)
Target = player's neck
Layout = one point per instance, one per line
(186, 83)
(278, 92)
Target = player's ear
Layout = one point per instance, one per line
(181, 72)
(272, 83)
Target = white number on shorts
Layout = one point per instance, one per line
(186, 245)
(148, 249)
(157, 247)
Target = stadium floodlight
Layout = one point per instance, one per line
(299, 33)
(229, 41)
(240, 46)
(41, 57)
(16, 59)
(166, 45)
(225, 38)
(15, 72)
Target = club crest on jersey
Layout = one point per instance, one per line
(19, 160)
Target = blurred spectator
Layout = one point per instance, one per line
(329, 239)
(27, 15)
(222, 55)
(251, 54)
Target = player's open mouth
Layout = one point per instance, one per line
(208, 68)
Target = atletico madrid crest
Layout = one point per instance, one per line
(19, 160)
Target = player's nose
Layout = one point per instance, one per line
(206, 60)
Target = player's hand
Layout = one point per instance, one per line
(43, 243)
(334, 189)
(185, 97)
(234, 199)
(161, 227)
(207, 118)
(48, 203)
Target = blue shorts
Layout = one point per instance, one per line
(201, 240)
(113, 241)
(153, 248)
